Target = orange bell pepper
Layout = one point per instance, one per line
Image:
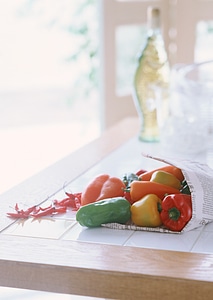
(168, 168)
(102, 187)
(139, 189)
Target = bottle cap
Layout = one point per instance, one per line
(153, 16)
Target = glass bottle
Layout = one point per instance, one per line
(151, 81)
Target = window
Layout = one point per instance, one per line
(126, 56)
(204, 37)
(49, 90)
(49, 63)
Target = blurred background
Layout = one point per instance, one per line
(49, 89)
(66, 70)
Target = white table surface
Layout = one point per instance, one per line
(127, 158)
(61, 245)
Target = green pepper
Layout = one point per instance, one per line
(185, 188)
(109, 210)
(128, 178)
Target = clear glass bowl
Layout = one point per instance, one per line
(190, 125)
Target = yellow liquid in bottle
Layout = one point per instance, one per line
(151, 84)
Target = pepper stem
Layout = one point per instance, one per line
(174, 214)
(159, 207)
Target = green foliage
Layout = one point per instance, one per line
(79, 19)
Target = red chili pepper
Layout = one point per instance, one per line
(77, 203)
(71, 195)
(73, 201)
(44, 212)
(65, 202)
(36, 211)
(16, 207)
(31, 209)
(49, 211)
(20, 213)
(60, 210)
(176, 211)
(44, 208)
(17, 215)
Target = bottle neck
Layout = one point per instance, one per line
(154, 32)
(153, 21)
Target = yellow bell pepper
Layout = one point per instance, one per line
(146, 211)
(166, 178)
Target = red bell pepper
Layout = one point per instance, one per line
(140, 172)
(176, 211)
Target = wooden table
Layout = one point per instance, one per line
(90, 269)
